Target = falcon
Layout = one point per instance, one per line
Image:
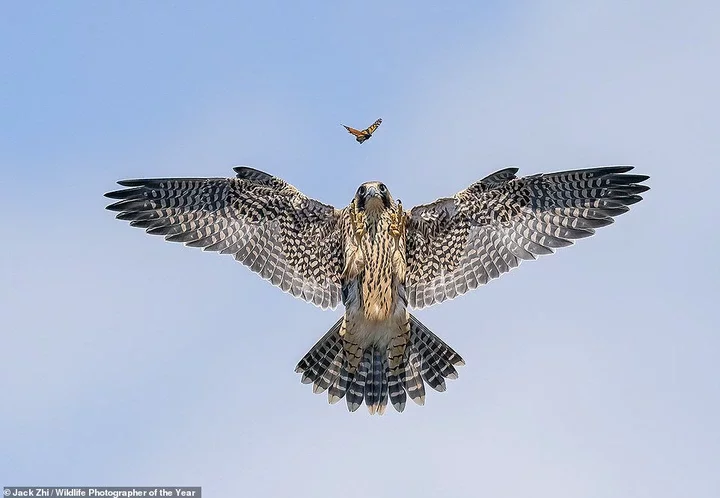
(378, 259)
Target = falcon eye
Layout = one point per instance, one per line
(383, 188)
(361, 190)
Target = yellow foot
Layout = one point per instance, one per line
(397, 223)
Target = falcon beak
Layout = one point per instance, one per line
(373, 192)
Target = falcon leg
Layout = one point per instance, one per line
(358, 222)
(354, 262)
(397, 223)
(397, 230)
(354, 257)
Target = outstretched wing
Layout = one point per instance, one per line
(458, 243)
(265, 223)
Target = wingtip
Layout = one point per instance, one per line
(133, 182)
(640, 179)
(118, 194)
(619, 168)
(241, 168)
(248, 173)
(116, 206)
(630, 200)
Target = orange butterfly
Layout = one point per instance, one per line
(362, 135)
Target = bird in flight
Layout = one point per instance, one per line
(378, 259)
(362, 135)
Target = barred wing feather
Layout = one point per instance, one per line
(459, 243)
(265, 223)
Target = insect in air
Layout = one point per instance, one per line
(362, 135)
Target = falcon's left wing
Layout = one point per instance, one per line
(458, 243)
(268, 225)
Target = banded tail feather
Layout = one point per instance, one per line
(318, 361)
(426, 360)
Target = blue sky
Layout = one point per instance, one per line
(130, 361)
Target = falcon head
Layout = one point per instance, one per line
(373, 196)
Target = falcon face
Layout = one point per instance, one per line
(378, 259)
(372, 196)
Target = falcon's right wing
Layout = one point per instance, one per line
(268, 225)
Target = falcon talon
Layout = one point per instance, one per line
(400, 216)
(358, 226)
(397, 224)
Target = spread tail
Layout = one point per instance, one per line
(427, 359)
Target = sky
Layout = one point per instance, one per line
(131, 361)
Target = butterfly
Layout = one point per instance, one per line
(362, 135)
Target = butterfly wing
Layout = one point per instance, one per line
(355, 132)
(371, 129)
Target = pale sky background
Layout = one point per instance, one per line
(131, 361)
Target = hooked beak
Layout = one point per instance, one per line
(373, 192)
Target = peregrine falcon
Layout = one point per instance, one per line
(378, 259)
